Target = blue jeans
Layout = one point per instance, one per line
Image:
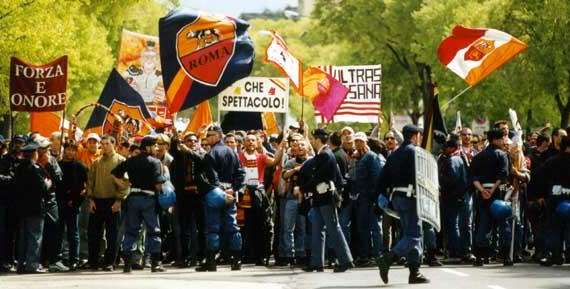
(51, 246)
(69, 222)
(141, 209)
(410, 243)
(457, 220)
(293, 228)
(221, 220)
(367, 226)
(325, 217)
(30, 241)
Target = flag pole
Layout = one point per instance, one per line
(455, 97)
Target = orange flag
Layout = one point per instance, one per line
(202, 116)
(270, 123)
(45, 122)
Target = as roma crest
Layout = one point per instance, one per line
(132, 122)
(204, 48)
(479, 49)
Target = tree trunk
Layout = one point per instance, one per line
(5, 125)
(564, 109)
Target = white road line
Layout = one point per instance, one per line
(455, 272)
(495, 287)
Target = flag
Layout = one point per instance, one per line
(270, 122)
(473, 54)
(201, 54)
(202, 116)
(325, 92)
(278, 54)
(434, 125)
(120, 103)
(48, 122)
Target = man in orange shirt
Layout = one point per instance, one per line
(89, 152)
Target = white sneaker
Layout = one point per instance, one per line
(57, 267)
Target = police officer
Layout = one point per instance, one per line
(398, 177)
(220, 202)
(146, 178)
(490, 169)
(554, 178)
(325, 178)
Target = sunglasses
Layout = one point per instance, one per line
(389, 138)
(191, 140)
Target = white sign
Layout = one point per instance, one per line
(427, 188)
(480, 126)
(362, 103)
(259, 94)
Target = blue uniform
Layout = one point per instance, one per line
(488, 167)
(225, 163)
(399, 172)
(554, 181)
(141, 205)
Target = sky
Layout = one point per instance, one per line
(236, 7)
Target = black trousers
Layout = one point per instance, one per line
(103, 218)
(190, 211)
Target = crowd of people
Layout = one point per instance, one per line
(309, 199)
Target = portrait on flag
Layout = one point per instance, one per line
(139, 64)
(38, 87)
(261, 94)
(362, 103)
(202, 54)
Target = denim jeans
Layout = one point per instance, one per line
(325, 217)
(457, 224)
(51, 246)
(30, 241)
(293, 227)
(141, 210)
(410, 243)
(69, 222)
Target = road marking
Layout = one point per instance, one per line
(495, 287)
(455, 272)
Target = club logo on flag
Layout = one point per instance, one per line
(131, 115)
(204, 50)
(479, 49)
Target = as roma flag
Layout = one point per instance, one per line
(201, 54)
(473, 54)
(38, 87)
(120, 111)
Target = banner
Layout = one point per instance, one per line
(38, 87)
(260, 94)
(139, 64)
(427, 188)
(362, 103)
(479, 126)
(201, 54)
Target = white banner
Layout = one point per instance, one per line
(260, 94)
(427, 188)
(480, 126)
(362, 104)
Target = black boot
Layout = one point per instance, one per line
(384, 262)
(507, 261)
(416, 277)
(155, 264)
(236, 261)
(128, 264)
(209, 265)
(431, 259)
(479, 256)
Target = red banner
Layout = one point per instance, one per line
(38, 87)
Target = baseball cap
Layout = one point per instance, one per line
(411, 129)
(43, 142)
(360, 136)
(31, 146)
(94, 136)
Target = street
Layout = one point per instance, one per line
(521, 276)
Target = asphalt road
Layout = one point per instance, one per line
(521, 276)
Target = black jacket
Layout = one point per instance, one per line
(30, 189)
(73, 182)
(325, 170)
